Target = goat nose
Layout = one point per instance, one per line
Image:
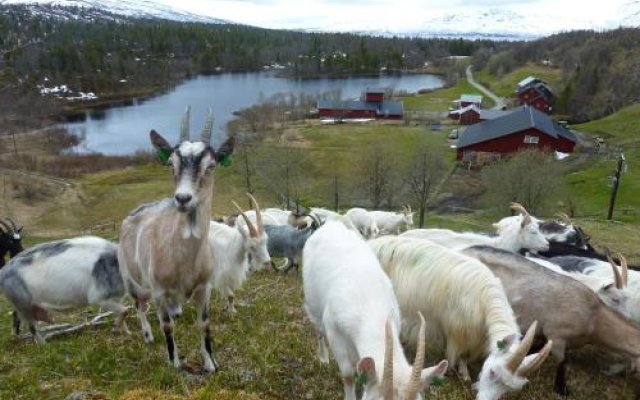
(183, 199)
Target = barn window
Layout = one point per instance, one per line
(531, 139)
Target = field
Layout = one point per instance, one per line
(440, 100)
(267, 350)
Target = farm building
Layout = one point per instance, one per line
(535, 92)
(372, 104)
(468, 100)
(523, 128)
(470, 115)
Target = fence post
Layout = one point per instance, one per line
(616, 185)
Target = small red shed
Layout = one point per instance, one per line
(536, 93)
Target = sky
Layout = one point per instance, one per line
(399, 15)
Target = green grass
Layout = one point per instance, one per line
(267, 350)
(505, 85)
(440, 100)
(589, 187)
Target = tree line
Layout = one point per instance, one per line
(600, 69)
(99, 54)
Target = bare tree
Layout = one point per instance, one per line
(283, 168)
(530, 177)
(427, 169)
(378, 174)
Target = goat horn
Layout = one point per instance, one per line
(387, 372)
(523, 348)
(13, 224)
(519, 207)
(256, 207)
(535, 364)
(184, 125)
(7, 228)
(616, 273)
(625, 270)
(207, 130)
(414, 382)
(252, 229)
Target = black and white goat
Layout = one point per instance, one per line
(232, 247)
(10, 240)
(61, 275)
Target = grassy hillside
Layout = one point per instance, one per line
(505, 85)
(589, 187)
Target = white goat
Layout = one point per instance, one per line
(466, 308)
(323, 214)
(392, 223)
(231, 248)
(610, 288)
(514, 233)
(164, 250)
(64, 274)
(363, 220)
(599, 269)
(349, 300)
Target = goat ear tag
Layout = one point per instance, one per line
(225, 160)
(163, 155)
(361, 379)
(502, 344)
(437, 381)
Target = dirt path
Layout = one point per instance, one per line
(499, 101)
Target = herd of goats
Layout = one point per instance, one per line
(371, 283)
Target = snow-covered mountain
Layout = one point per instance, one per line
(128, 8)
(496, 24)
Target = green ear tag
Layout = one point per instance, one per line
(361, 379)
(501, 344)
(163, 155)
(437, 381)
(226, 160)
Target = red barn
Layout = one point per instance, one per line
(466, 116)
(536, 93)
(371, 105)
(523, 128)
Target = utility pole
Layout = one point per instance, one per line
(616, 185)
(335, 193)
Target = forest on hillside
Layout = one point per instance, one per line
(97, 54)
(601, 70)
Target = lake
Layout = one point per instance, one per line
(125, 129)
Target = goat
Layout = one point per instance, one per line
(514, 233)
(231, 248)
(61, 275)
(466, 309)
(10, 240)
(164, 251)
(287, 241)
(565, 232)
(363, 220)
(630, 279)
(322, 214)
(569, 313)
(349, 300)
(611, 291)
(391, 222)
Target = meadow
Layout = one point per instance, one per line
(267, 350)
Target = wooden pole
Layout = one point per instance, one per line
(335, 193)
(616, 185)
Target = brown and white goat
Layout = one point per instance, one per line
(568, 312)
(164, 251)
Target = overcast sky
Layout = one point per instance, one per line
(392, 15)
